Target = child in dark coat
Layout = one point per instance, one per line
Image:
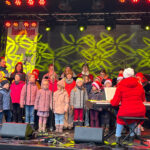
(5, 102)
(95, 95)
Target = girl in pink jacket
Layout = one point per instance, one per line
(42, 104)
(60, 105)
(15, 93)
(28, 95)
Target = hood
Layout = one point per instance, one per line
(130, 82)
(2, 68)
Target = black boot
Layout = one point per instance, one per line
(118, 140)
(80, 123)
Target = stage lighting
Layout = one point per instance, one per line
(148, 1)
(108, 28)
(42, 2)
(145, 23)
(81, 28)
(147, 28)
(135, 1)
(110, 23)
(47, 29)
(31, 2)
(8, 2)
(122, 1)
(7, 24)
(15, 24)
(26, 24)
(18, 2)
(34, 24)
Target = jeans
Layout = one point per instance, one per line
(120, 128)
(87, 118)
(29, 114)
(7, 114)
(59, 119)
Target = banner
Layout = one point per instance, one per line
(21, 46)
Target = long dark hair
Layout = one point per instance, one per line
(19, 63)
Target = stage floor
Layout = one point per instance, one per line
(54, 140)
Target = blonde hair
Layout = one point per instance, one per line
(30, 74)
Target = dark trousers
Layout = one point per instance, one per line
(17, 114)
(94, 118)
(7, 114)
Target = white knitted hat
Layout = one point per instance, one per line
(129, 72)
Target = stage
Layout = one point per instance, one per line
(66, 141)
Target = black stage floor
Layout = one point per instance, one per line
(64, 141)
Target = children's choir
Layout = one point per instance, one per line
(66, 97)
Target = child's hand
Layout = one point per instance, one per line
(1, 111)
(72, 107)
(21, 106)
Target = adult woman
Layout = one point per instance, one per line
(67, 69)
(85, 71)
(19, 69)
(130, 94)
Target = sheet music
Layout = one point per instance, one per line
(110, 92)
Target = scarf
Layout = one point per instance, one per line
(69, 81)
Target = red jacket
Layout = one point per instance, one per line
(69, 87)
(16, 91)
(130, 94)
(53, 86)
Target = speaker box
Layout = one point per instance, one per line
(89, 135)
(16, 130)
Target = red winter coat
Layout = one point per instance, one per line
(130, 94)
(69, 87)
(16, 91)
(53, 86)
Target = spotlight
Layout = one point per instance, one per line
(145, 23)
(31, 2)
(15, 24)
(18, 2)
(82, 23)
(42, 2)
(47, 29)
(7, 24)
(110, 23)
(108, 28)
(148, 1)
(147, 28)
(26, 24)
(122, 1)
(8, 2)
(135, 1)
(34, 24)
(81, 28)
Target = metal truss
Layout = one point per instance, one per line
(73, 18)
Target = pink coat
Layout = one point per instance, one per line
(43, 100)
(16, 91)
(60, 102)
(28, 98)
